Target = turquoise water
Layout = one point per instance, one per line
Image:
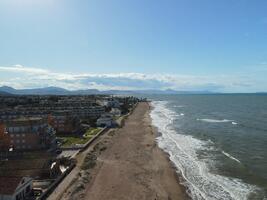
(218, 142)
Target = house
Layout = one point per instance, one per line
(15, 188)
(38, 167)
(105, 120)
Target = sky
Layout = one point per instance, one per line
(190, 45)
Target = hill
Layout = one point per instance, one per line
(62, 91)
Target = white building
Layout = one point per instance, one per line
(115, 112)
(111, 103)
(15, 188)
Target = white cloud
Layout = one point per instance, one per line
(30, 77)
(20, 68)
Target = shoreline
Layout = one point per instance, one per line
(128, 164)
(179, 177)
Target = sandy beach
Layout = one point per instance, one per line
(128, 165)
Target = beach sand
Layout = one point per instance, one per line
(131, 166)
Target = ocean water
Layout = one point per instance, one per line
(217, 142)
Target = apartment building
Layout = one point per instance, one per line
(29, 133)
(64, 122)
(4, 139)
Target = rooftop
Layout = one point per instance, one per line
(8, 185)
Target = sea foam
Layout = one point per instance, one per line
(231, 157)
(215, 120)
(218, 121)
(196, 176)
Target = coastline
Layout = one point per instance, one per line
(129, 165)
(179, 177)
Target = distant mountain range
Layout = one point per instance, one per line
(6, 90)
(4, 93)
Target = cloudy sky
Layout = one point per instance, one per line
(134, 44)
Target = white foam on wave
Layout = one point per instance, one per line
(218, 121)
(178, 106)
(231, 157)
(215, 120)
(178, 115)
(201, 183)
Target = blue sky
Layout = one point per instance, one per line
(134, 44)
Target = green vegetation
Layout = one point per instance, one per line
(117, 117)
(91, 132)
(91, 157)
(89, 161)
(71, 140)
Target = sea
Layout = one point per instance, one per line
(217, 142)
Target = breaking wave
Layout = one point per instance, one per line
(218, 121)
(231, 157)
(201, 184)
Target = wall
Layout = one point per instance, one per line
(6, 197)
(4, 139)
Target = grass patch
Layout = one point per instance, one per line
(74, 139)
(91, 132)
(117, 117)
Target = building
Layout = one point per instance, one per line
(115, 112)
(110, 103)
(93, 112)
(15, 188)
(4, 139)
(105, 121)
(30, 134)
(64, 122)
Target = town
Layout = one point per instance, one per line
(40, 135)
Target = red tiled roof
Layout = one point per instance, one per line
(8, 185)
